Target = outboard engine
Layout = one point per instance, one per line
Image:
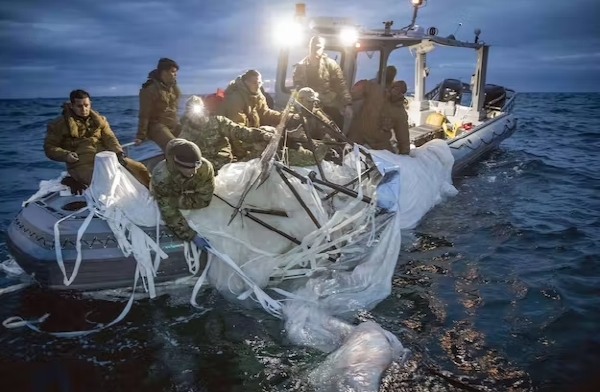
(450, 90)
(495, 96)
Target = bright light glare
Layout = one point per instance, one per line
(197, 109)
(348, 36)
(288, 33)
(416, 2)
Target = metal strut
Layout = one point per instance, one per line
(335, 192)
(298, 197)
(247, 213)
(313, 177)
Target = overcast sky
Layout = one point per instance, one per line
(49, 47)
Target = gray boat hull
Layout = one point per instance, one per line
(31, 233)
(31, 243)
(471, 146)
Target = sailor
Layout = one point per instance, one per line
(309, 114)
(395, 116)
(381, 115)
(183, 180)
(390, 75)
(325, 76)
(159, 101)
(79, 134)
(213, 135)
(246, 105)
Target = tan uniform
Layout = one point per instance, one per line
(247, 109)
(158, 111)
(86, 137)
(377, 118)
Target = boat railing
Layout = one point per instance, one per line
(432, 94)
(510, 102)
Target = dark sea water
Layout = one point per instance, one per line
(498, 288)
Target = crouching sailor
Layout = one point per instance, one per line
(183, 180)
(215, 134)
(79, 134)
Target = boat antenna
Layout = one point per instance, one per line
(457, 27)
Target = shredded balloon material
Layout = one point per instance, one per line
(336, 259)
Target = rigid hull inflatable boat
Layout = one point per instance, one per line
(32, 243)
(472, 119)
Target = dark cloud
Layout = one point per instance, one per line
(108, 47)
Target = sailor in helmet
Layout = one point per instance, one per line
(307, 106)
(214, 134)
(183, 180)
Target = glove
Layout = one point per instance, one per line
(201, 242)
(72, 157)
(121, 158)
(266, 136)
(268, 128)
(76, 187)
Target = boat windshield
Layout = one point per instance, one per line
(367, 65)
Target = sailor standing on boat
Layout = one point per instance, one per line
(183, 180)
(381, 115)
(159, 101)
(325, 76)
(79, 134)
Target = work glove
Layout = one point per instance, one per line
(121, 158)
(72, 157)
(76, 187)
(201, 242)
(266, 136)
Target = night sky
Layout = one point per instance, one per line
(108, 47)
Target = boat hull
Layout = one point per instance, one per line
(31, 234)
(471, 146)
(31, 243)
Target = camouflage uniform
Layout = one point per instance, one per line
(158, 111)
(328, 81)
(172, 191)
(86, 137)
(296, 155)
(213, 135)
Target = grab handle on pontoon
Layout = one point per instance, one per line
(127, 146)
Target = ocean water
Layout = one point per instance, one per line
(498, 288)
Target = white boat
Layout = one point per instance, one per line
(481, 112)
(31, 235)
(345, 244)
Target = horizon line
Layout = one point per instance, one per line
(203, 94)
